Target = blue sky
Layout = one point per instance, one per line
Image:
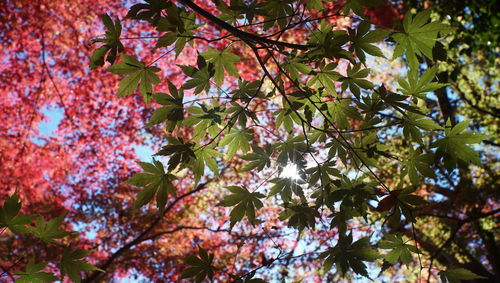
(54, 115)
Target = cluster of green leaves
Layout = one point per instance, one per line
(418, 37)
(138, 74)
(339, 113)
(112, 44)
(155, 181)
(246, 203)
(350, 255)
(453, 146)
(71, 262)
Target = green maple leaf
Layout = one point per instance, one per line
(72, 264)
(419, 86)
(358, 6)
(396, 101)
(180, 153)
(277, 12)
(356, 79)
(205, 156)
(407, 201)
(322, 173)
(286, 117)
(341, 111)
(325, 78)
(294, 67)
(237, 139)
(155, 180)
(49, 230)
(399, 249)
(418, 162)
(200, 80)
(362, 38)
(200, 77)
(10, 217)
(259, 158)
(286, 187)
(146, 11)
(418, 37)
(222, 60)
(199, 267)
(33, 273)
(456, 275)
(291, 149)
(204, 120)
(454, 145)
(138, 75)
(348, 255)
(245, 203)
(413, 122)
(300, 216)
(173, 110)
(111, 43)
(240, 114)
(247, 90)
(314, 4)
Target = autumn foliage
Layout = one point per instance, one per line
(283, 143)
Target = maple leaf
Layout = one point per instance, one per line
(286, 187)
(456, 275)
(50, 230)
(412, 122)
(356, 79)
(348, 255)
(237, 140)
(325, 78)
(150, 10)
(362, 38)
(204, 120)
(286, 117)
(418, 37)
(259, 158)
(172, 111)
(291, 149)
(72, 264)
(293, 67)
(454, 147)
(247, 90)
(357, 6)
(300, 216)
(341, 111)
(246, 203)
(240, 113)
(111, 43)
(200, 267)
(200, 80)
(138, 74)
(222, 60)
(420, 86)
(33, 273)
(10, 217)
(179, 152)
(418, 163)
(396, 101)
(205, 156)
(155, 180)
(277, 12)
(322, 173)
(399, 249)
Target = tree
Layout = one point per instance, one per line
(271, 118)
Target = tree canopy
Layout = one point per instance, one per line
(288, 141)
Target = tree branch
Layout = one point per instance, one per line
(239, 33)
(94, 275)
